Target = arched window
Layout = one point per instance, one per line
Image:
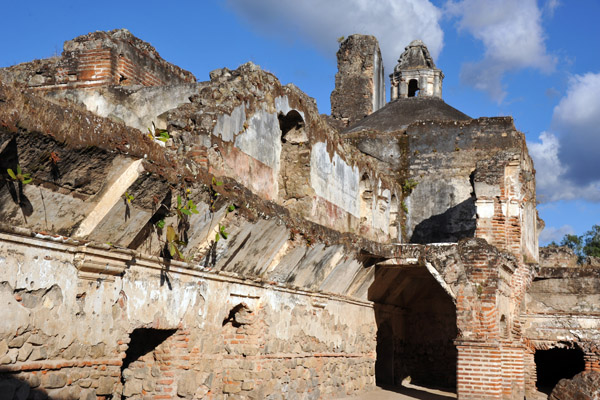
(413, 88)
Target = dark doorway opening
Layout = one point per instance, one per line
(556, 364)
(141, 356)
(416, 321)
(413, 88)
(143, 341)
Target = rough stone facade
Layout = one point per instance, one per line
(99, 59)
(359, 82)
(245, 248)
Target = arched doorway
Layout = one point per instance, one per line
(416, 322)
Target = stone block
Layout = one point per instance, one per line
(148, 385)
(84, 383)
(24, 352)
(232, 388)
(38, 353)
(38, 339)
(141, 373)
(54, 380)
(3, 347)
(237, 375)
(18, 341)
(187, 384)
(132, 387)
(89, 394)
(105, 385)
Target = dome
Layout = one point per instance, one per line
(416, 55)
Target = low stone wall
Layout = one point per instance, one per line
(169, 330)
(562, 312)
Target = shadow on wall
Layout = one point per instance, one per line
(12, 388)
(9, 160)
(456, 223)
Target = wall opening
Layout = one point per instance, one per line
(556, 364)
(291, 125)
(366, 200)
(416, 322)
(413, 88)
(293, 156)
(141, 358)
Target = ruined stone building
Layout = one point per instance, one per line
(163, 238)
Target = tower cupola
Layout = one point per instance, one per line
(416, 74)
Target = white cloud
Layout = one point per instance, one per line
(552, 234)
(567, 160)
(550, 6)
(513, 37)
(552, 181)
(395, 23)
(576, 119)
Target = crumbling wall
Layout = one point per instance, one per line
(484, 286)
(359, 82)
(450, 149)
(267, 137)
(99, 181)
(506, 215)
(561, 311)
(68, 334)
(99, 59)
(488, 287)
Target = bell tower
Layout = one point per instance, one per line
(416, 74)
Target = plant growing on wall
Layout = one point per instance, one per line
(155, 133)
(408, 186)
(221, 233)
(174, 243)
(19, 176)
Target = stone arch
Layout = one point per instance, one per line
(416, 320)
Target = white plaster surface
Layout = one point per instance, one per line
(334, 180)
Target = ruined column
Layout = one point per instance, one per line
(359, 83)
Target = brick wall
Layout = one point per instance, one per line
(99, 59)
(505, 192)
(491, 353)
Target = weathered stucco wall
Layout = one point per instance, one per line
(562, 310)
(77, 331)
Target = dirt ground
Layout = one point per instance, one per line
(405, 392)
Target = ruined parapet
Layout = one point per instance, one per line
(560, 320)
(359, 82)
(416, 74)
(557, 256)
(99, 59)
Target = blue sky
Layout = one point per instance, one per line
(538, 61)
